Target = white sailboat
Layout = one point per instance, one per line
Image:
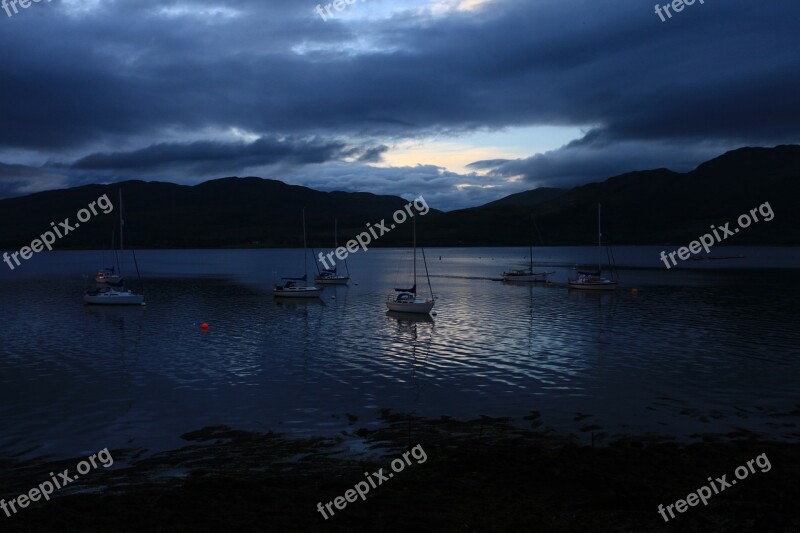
(330, 276)
(113, 291)
(593, 281)
(112, 296)
(407, 300)
(296, 287)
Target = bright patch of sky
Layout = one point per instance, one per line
(384, 9)
(457, 152)
(81, 7)
(196, 10)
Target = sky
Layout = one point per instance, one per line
(463, 101)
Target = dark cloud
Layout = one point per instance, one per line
(147, 86)
(18, 180)
(594, 156)
(373, 155)
(205, 156)
(487, 164)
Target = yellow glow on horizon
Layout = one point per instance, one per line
(462, 186)
(471, 5)
(443, 7)
(451, 156)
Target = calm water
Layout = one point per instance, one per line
(709, 349)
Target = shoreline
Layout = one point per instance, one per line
(486, 474)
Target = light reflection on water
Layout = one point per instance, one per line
(704, 350)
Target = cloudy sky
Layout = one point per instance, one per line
(464, 101)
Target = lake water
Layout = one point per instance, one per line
(711, 348)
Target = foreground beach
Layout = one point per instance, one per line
(481, 475)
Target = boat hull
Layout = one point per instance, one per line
(418, 306)
(527, 278)
(297, 292)
(592, 285)
(113, 299)
(414, 318)
(344, 280)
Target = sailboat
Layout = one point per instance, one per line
(527, 275)
(289, 288)
(109, 273)
(113, 292)
(330, 276)
(407, 300)
(593, 280)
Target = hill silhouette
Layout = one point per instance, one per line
(647, 207)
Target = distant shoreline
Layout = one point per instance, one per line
(427, 247)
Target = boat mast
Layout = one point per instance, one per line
(427, 274)
(599, 239)
(531, 254)
(336, 245)
(305, 251)
(121, 236)
(115, 264)
(530, 242)
(335, 240)
(415, 257)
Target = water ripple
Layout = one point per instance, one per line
(695, 351)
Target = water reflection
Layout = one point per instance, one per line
(73, 376)
(406, 319)
(414, 334)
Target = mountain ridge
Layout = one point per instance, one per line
(642, 207)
